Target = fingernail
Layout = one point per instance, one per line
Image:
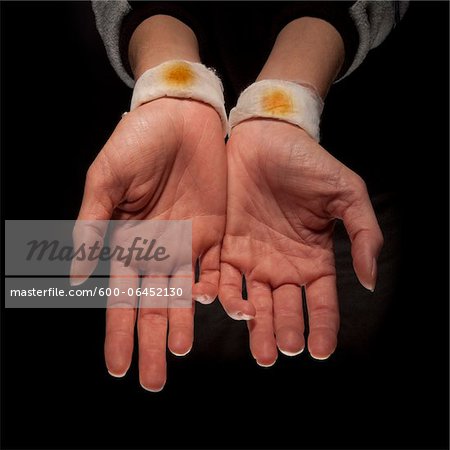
(152, 390)
(241, 316)
(373, 273)
(265, 365)
(204, 299)
(77, 280)
(370, 285)
(117, 375)
(321, 358)
(180, 354)
(291, 353)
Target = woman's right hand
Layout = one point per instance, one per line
(166, 161)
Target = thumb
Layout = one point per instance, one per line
(365, 235)
(101, 195)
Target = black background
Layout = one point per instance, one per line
(388, 121)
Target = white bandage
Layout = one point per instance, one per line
(181, 79)
(283, 100)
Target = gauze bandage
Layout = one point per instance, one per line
(283, 100)
(181, 79)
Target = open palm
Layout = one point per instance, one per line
(165, 160)
(284, 193)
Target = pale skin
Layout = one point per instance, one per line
(164, 160)
(167, 159)
(284, 193)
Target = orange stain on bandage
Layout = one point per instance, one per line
(277, 102)
(179, 74)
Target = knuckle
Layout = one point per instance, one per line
(359, 184)
(324, 317)
(91, 174)
(100, 173)
(263, 309)
(152, 318)
(94, 176)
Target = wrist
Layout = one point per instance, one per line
(181, 79)
(307, 51)
(159, 39)
(280, 100)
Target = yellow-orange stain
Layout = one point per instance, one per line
(277, 102)
(179, 74)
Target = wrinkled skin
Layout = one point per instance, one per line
(164, 160)
(284, 193)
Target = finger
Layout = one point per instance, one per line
(87, 235)
(366, 237)
(288, 319)
(181, 330)
(262, 339)
(181, 315)
(323, 314)
(230, 294)
(152, 333)
(120, 319)
(100, 197)
(206, 290)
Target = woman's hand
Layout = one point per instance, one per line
(284, 193)
(165, 160)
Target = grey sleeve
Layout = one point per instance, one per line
(374, 20)
(108, 18)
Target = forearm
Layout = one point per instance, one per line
(158, 39)
(307, 50)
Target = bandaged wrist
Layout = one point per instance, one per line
(181, 79)
(283, 100)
